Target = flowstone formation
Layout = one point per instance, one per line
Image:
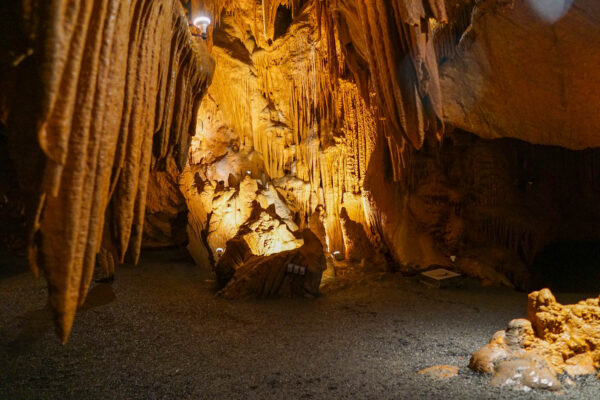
(93, 95)
(554, 339)
(292, 105)
(373, 120)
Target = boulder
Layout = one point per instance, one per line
(289, 273)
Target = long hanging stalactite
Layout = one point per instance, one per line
(118, 85)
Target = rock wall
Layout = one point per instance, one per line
(350, 110)
(308, 112)
(94, 94)
(527, 70)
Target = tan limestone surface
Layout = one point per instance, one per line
(554, 339)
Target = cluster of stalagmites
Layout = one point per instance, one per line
(119, 85)
(554, 339)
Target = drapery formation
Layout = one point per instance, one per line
(388, 45)
(119, 85)
(394, 38)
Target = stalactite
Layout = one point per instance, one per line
(399, 51)
(446, 36)
(99, 64)
(310, 120)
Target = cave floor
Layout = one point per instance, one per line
(159, 332)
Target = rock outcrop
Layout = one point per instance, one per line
(554, 339)
(526, 70)
(288, 273)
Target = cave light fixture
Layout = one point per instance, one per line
(338, 255)
(202, 22)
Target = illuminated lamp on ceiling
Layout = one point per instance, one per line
(202, 24)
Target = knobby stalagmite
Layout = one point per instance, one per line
(119, 83)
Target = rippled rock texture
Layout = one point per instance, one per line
(94, 95)
(374, 122)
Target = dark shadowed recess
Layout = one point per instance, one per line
(569, 266)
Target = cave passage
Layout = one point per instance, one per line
(392, 175)
(570, 266)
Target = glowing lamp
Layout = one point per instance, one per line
(248, 172)
(202, 23)
(338, 255)
(219, 251)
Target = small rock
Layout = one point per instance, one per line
(568, 382)
(527, 372)
(581, 364)
(440, 371)
(485, 359)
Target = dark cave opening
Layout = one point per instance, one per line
(283, 21)
(568, 266)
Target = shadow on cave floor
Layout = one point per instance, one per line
(572, 267)
(99, 295)
(159, 331)
(34, 325)
(37, 323)
(11, 264)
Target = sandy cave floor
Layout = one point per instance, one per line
(159, 332)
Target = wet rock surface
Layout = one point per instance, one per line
(440, 371)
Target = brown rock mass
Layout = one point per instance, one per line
(270, 276)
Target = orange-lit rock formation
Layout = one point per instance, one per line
(527, 70)
(111, 90)
(554, 339)
(294, 272)
(351, 111)
(366, 122)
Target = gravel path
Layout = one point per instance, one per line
(160, 333)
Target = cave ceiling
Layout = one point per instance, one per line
(524, 73)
